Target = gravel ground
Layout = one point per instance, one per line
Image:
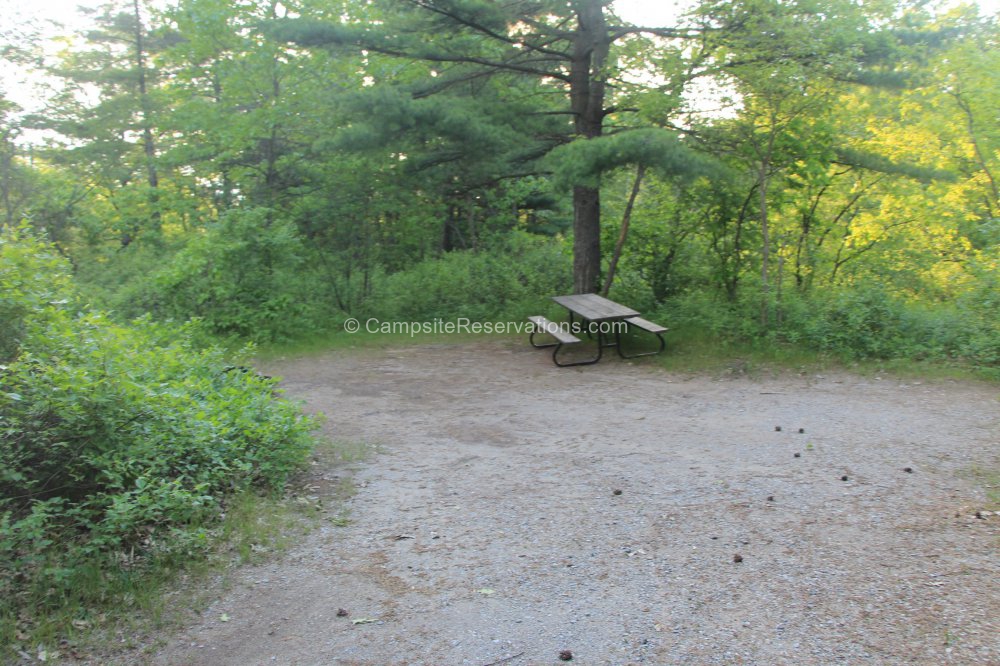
(512, 511)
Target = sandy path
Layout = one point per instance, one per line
(488, 529)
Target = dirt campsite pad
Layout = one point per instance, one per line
(513, 513)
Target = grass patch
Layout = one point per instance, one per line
(326, 342)
(926, 370)
(688, 350)
(992, 483)
(340, 341)
(989, 479)
(114, 605)
(121, 606)
(691, 351)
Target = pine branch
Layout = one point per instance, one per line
(666, 33)
(485, 30)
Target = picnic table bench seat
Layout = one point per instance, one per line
(650, 327)
(555, 330)
(562, 336)
(646, 325)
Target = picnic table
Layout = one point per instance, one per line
(597, 316)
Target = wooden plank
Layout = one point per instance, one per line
(594, 308)
(554, 329)
(645, 324)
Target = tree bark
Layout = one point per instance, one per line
(963, 104)
(591, 44)
(148, 143)
(586, 239)
(623, 234)
(7, 151)
(765, 250)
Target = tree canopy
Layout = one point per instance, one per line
(273, 167)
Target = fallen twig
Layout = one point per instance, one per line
(500, 661)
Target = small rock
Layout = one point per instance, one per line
(616, 492)
(565, 655)
(770, 498)
(798, 455)
(802, 431)
(908, 470)
(777, 428)
(737, 558)
(843, 478)
(979, 515)
(342, 612)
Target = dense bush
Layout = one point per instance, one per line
(117, 438)
(977, 324)
(246, 276)
(709, 316)
(872, 323)
(32, 277)
(510, 279)
(861, 323)
(630, 287)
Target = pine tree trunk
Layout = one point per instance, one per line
(587, 91)
(586, 239)
(148, 143)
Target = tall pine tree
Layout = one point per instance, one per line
(566, 46)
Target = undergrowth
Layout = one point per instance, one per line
(125, 451)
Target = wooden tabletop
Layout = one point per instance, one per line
(594, 308)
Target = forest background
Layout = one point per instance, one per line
(810, 172)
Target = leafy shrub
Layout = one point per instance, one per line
(511, 279)
(860, 323)
(630, 287)
(977, 319)
(872, 323)
(710, 315)
(22, 293)
(115, 437)
(245, 277)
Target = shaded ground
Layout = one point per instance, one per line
(488, 528)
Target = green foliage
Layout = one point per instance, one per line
(710, 315)
(510, 280)
(861, 324)
(24, 298)
(582, 161)
(851, 157)
(857, 324)
(873, 323)
(631, 287)
(270, 190)
(118, 442)
(244, 277)
(975, 320)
